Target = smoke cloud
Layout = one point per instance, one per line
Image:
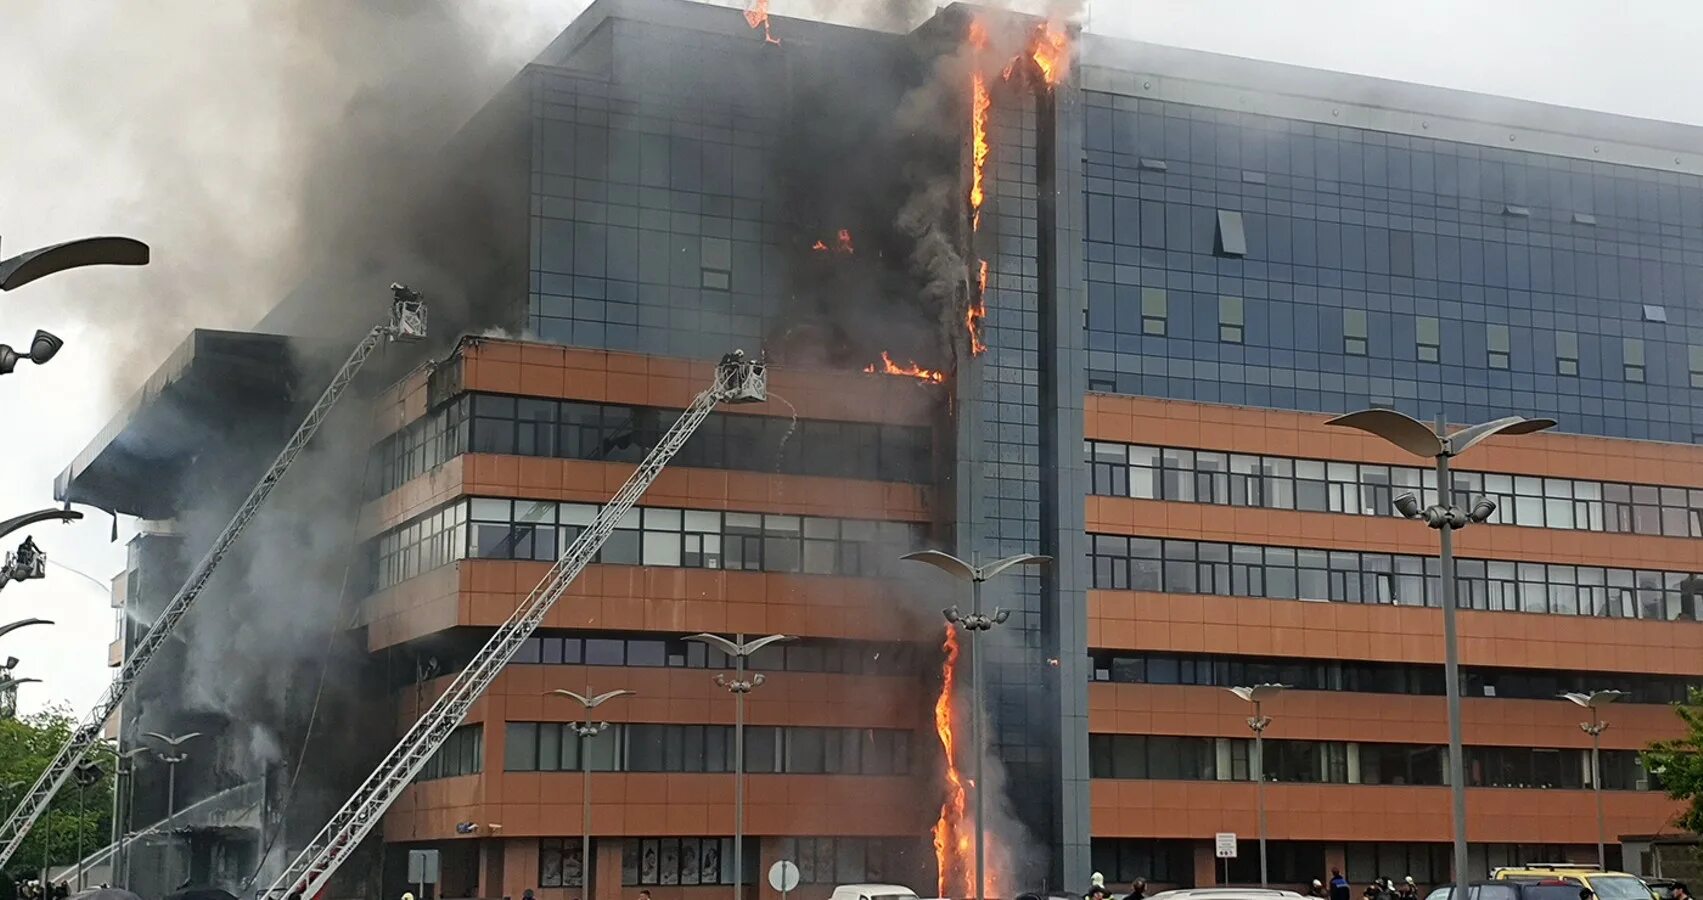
(250, 143)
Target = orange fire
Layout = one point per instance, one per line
(910, 370)
(1048, 53)
(757, 16)
(843, 243)
(951, 837)
(979, 105)
(955, 830)
(978, 311)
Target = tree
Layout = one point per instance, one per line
(1678, 763)
(27, 745)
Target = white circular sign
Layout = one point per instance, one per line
(783, 875)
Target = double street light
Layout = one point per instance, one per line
(740, 649)
(586, 730)
(1436, 442)
(1257, 695)
(24, 268)
(976, 622)
(1595, 701)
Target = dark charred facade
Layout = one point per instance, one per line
(1192, 262)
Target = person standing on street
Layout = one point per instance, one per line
(1339, 889)
(1138, 890)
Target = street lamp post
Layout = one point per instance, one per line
(740, 649)
(1437, 443)
(1595, 701)
(87, 775)
(172, 757)
(1257, 695)
(125, 768)
(975, 623)
(587, 730)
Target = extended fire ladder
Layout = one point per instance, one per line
(407, 323)
(737, 380)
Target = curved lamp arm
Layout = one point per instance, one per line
(41, 515)
(93, 251)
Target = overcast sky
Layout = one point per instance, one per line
(91, 92)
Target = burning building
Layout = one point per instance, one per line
(1024, 293)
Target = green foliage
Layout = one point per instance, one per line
(27, 745)
(1679, 763)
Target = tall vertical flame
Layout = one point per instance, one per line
(955, 830)
(757, 16)
(980, 102)
(952, 808)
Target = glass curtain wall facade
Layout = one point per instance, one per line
(1149, 235)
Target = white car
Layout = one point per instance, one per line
(873, 892)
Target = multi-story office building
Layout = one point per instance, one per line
(1193, 262)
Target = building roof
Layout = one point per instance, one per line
(212, 384)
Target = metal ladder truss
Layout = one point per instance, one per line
(737, 380)
(407, 323)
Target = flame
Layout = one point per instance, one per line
(955, 830)
(757, 16)
(979, 104)
(842, 243)
(1051, 53)
(911, 370)
(1048, 55)
(949, 834)
(978, 311)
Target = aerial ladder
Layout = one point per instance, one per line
(737, 380)
(407, 322)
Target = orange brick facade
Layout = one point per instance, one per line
(513, 810)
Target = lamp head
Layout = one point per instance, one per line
(1482, 510)
(44, 346)
(1408, 505)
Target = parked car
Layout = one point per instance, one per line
(877, 892)
(1606, 885)
(1230, 892)
(1663, 887)
(1508, 889)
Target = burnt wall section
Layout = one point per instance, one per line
(1000, 489)
(683, 170)
(1063, 383)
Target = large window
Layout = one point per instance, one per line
(569, 429)
(489, 528)
(847, 860)
(1166, 758)
(839, 657)
(1376, 677)
(559, 863)
(1123, 860)
(645, 747)
(1236, 479)
(462, 754)
(684, 861)
(1301, 573)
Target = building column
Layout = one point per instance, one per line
(1206, 864)
(607, 880)
(1336, 857)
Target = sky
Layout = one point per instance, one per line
(163, 121)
